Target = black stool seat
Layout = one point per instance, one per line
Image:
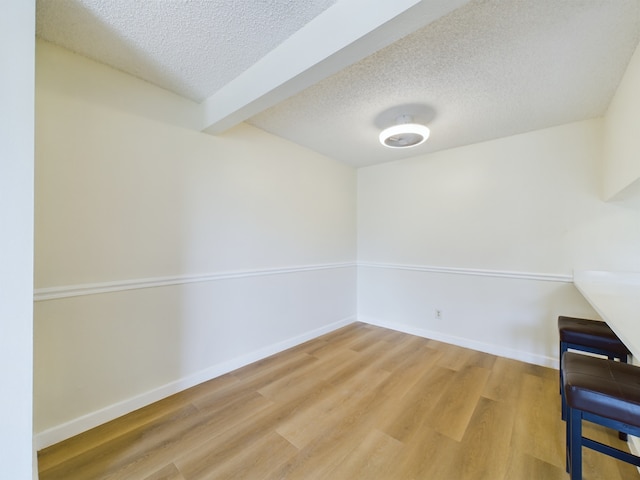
(604, 392)
(590, 336)
(591, 333)
(602, 387)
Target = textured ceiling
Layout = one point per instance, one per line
(488, 69)
(192, 48)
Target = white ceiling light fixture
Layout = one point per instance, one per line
(405, 134)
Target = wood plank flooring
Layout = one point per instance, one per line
(359, 403)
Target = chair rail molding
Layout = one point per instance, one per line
(545, 277)
(65, 291)
(52, 293)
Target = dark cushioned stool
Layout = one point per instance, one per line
(604, 392)
(589, 336)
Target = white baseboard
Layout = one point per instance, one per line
(86, 422)
(74, 427)
(499, 350)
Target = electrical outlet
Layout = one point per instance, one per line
(437, 314)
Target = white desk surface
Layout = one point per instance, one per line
(616, 298)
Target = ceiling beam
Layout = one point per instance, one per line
(343, 34)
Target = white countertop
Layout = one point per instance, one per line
(616, 298)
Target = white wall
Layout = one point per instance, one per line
(492, 233)
(622, 136)
(165, 256)
(17, 34)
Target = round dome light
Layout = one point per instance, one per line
(404, 136)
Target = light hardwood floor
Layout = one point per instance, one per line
(359, 403)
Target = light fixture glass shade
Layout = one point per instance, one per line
(404, 136)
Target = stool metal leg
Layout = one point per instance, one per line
(574, 429)
(563, 348)
(567, 445)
